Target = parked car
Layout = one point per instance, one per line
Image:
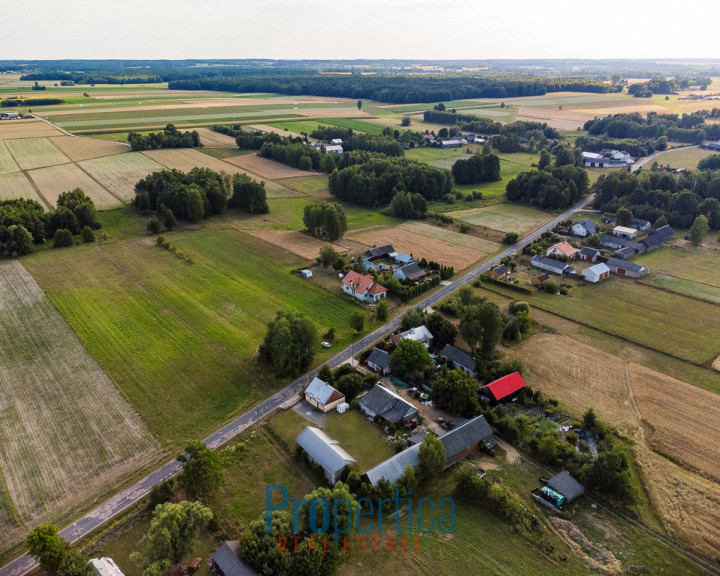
(325, 344)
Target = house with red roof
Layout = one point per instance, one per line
(503, 389)
(363, 287)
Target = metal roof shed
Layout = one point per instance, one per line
(566, 485)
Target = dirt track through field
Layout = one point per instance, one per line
(66, 433)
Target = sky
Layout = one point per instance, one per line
(371, 29)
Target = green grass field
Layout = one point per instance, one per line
(308, 126)
(699, 265)
(683, 158)
(180, 339)
(694, 289)
(504, 217)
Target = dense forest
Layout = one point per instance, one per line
(372, 179)
(199, 194)
(662, 85)
(25, 222)
(170, 137)
(485, 168)
(650, 195)
(395, 88)
(552, 188)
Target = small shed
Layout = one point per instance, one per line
(566, 485)
(306, 273)
(226, 561)
(504, 388)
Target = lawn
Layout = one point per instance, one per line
(682, 327)
(180, 339)
(683, 158)
(694, 289)
(699, 265)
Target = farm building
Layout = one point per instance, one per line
(400, 258)
(105, 567)
(336, 141)
(419, 334)
(458, 358)
(624, 268)
(453, 143)
(554, 266)
(393, 468)
(10, 116)
(566, 485)
(306, 273)
(363, 287)
(539, 280)
(658, 238)
(625, 232)
(640, 224)
(617, 242)
(379, 361)
(584, 227)
(325, 452)
(411, 272)
(712, 146)
(596, 273)
(226, 561)
(323, 396)
(625, 253)
(464, 440)
(562, 249)
(499, 272)
(588, 254)
(594, 160)
(387, 405)
(333, 149)
(504, 388)
(378, 252)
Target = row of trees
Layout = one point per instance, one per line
(24, 223)
(394, 88)
(298, 155)
(199, 194)
(554, 187)
(676, 198)
(690, 128)
(170, 137)
(375, 181)
(13, 102)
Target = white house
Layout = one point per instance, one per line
(596, 273)
(323, 396)
(584, 228)
(363, 287)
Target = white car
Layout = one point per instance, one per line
(325, 344)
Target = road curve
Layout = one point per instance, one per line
(281, 399)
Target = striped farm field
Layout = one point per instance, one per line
(267, 168)
(465, 240)
(67, 435)
(16, 185)
(27, 129)
(504, 217)
(120, 173)
(32, 153)
(79, 148)
(54, 180)
(185, 159)
(7, 162)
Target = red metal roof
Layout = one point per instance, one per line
(506, 385)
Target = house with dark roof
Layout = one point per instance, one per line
(548, 264)
(499, 272)
(384, 403)
(378, 252)
(504, 388)
(323, 396)
(625, 253)
(363, 287)
(379, 361)
(458, 358)
(625, 268)
(566, 485)
(325, 452)
(658, 238)
(588, 254)
(616, 242)
(411, 272)
(464, 440)
(540, 280)
(583, 228)
(640, 224)
(226, 561)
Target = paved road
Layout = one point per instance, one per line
(640, 163)
(283, 399)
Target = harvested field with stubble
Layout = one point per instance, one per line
(302, 245)
(504, 217)
(209, 137)
(54, 180)
(120, 173)
(79, 148)
(267, 168)
(16, 185)
(419, 246)
(27, 129)
(66, 434)
(7, 162)
(465, 240)
(35, 153)
(672, 424)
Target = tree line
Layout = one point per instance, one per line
(170, 137)
(199, 194)
(24, 223)
(14, 102)
(660, 197)
(394, 88)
